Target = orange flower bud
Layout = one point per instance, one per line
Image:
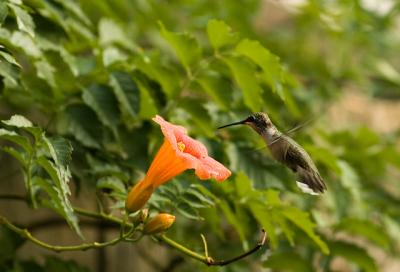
(160, 223)
(138, 196)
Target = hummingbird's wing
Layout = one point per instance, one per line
(300, 162)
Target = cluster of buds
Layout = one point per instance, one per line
(155, 225)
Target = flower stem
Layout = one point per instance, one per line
(183, 249)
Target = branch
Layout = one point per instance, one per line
(13, 197)
(123, 238)
(210, 261)
(27, 235)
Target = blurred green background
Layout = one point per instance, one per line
(96, 72)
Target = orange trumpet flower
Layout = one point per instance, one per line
(178, 153)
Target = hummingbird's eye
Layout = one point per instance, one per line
(251, 118)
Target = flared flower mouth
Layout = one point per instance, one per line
(178, 153)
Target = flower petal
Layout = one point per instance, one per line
(209, 168)
(194, 147)
(172, 133)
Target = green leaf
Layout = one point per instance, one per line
(82, 123)
(325, 156)
(218, 88)
(350, 179)
(353, 253)
(265, 216)
(198, 115)
(46, 72)
(196, 199)
(76, 28)
(60, 150)
(24, 20)
(243, 186)
(127, 94)
(244, 75)
(59, 190)
(111, 183)
(111, 33)
(74, 8)
(114, 187)
(10, 58)
(184, 45)
(261, 56)
(302, 220)
(101, 100)
(48, 45)
(20, 156)
(151, 65)
(101, 169)
(113, 55)
(257, 166)
(188, 211)
(220, 34)
(367, 229)
(18, 121)
(9, 73)
(287, 261)
(232, 218)
(148, 108)
(3, 12)
(18, 139)
(272, 212)
(26, 43)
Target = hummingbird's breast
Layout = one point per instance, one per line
(278, 147)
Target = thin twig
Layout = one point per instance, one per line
(205, 244)
(237, 258)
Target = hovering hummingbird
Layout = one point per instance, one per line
(286, 151)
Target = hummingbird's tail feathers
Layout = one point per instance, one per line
(306, 189)
(310, 181)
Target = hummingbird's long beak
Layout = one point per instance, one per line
(234, 124)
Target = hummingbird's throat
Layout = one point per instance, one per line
(270, 134)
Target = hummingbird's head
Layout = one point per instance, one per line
(259, 121)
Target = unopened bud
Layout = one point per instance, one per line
(138, 197)
(160, 223)
(141, 216)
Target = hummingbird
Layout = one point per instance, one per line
(286, 151)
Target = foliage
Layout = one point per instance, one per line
(90, 75)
